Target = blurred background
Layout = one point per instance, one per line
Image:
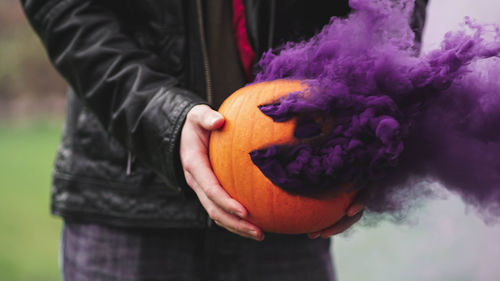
(31, 115)
(444, 240)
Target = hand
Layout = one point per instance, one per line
(353, 214)
(225, 211)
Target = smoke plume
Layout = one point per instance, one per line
(378, 115)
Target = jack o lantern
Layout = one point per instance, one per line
(246, 129)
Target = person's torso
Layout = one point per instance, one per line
(94, 176)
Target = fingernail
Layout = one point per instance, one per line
(256, 236)
(357, 211)
(213, 121)
(314, 236)
(239, 214)
(217, 116)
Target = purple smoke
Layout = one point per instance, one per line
(377, 115)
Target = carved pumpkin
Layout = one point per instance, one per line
(247, 129)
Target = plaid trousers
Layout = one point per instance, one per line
(94, 252)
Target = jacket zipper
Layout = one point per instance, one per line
(204, 52)
(130, 161)
(271, 24)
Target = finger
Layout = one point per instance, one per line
(228, 221)
(314, 235)
(341, 226)
(203, 175)
(240, 227)
(207, 118)
(338, 227)
(354, 209)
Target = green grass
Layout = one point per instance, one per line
(29, 236)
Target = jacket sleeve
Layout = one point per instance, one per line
(126, 87)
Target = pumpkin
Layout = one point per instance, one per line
(246, 129)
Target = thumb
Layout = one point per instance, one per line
(208, 118)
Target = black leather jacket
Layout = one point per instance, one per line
(135, 69)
